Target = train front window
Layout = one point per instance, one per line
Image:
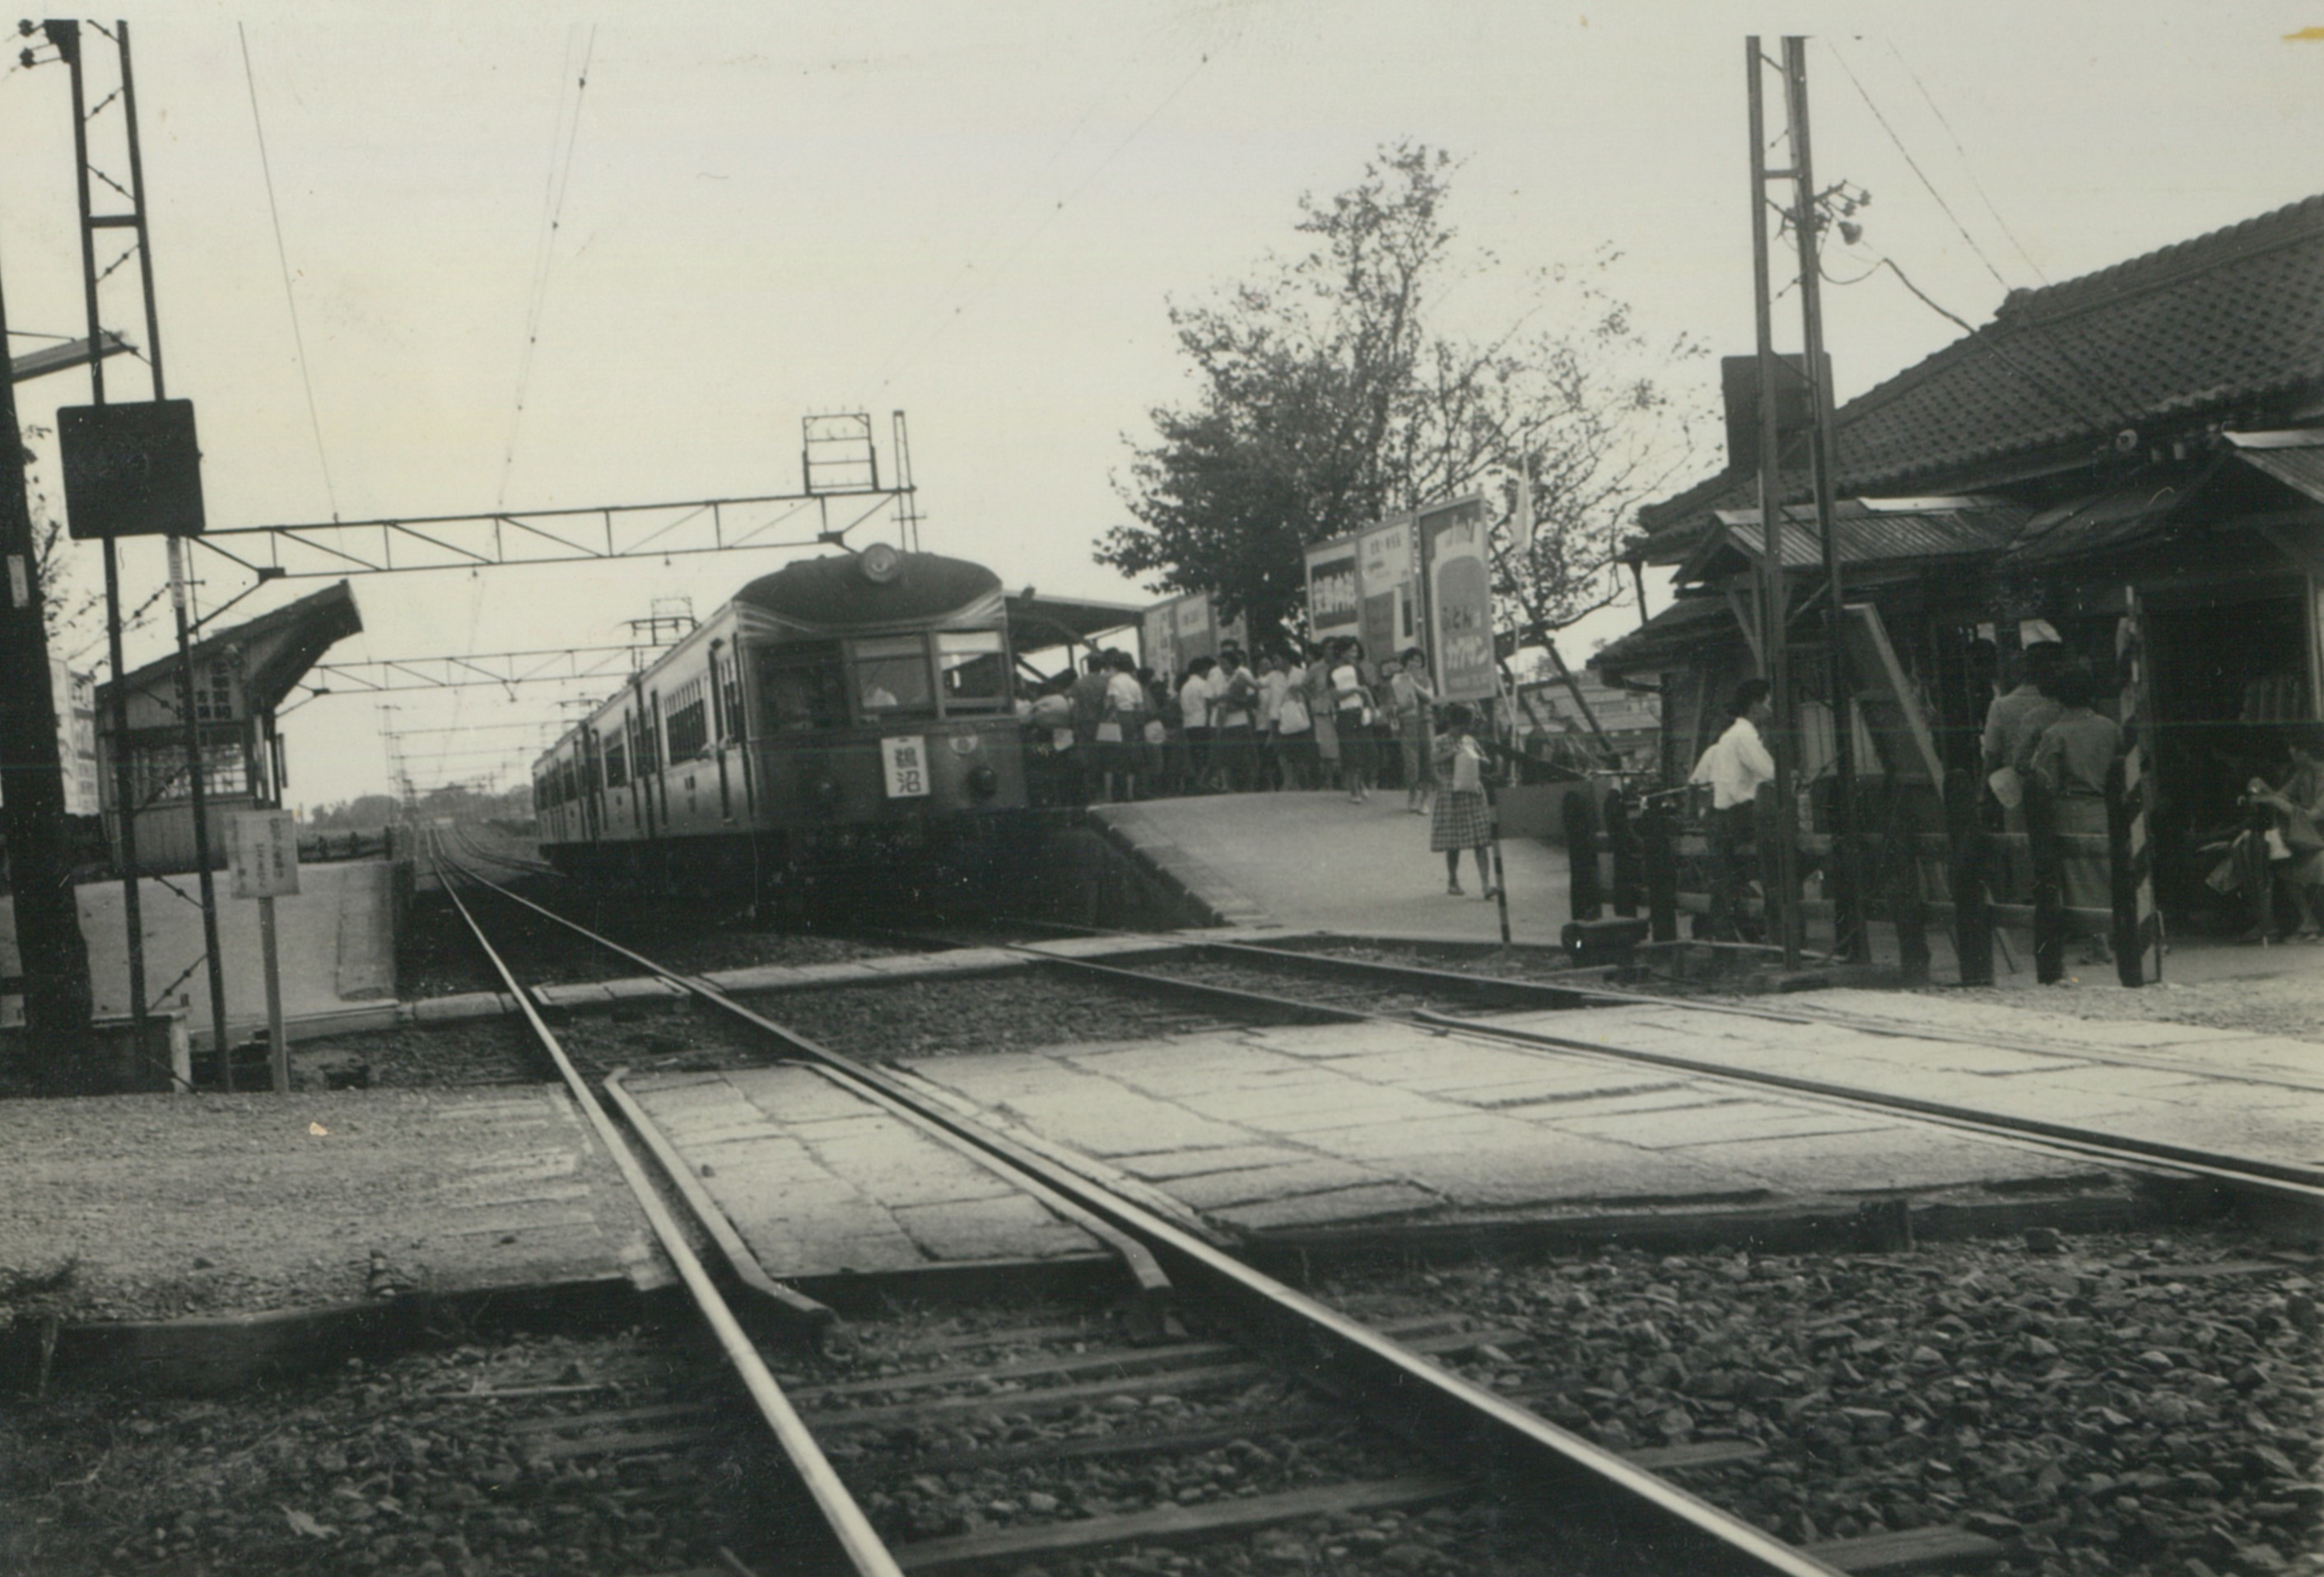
(891, 677)
(975, 668)
(802, 688)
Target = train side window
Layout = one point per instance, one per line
(689, 722)
(617, 757)
(974, 669)
(802, 688)
(891, 677)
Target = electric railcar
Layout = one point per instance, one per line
(843, 711)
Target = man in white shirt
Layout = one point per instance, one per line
(1194, 719)
(1735, 767)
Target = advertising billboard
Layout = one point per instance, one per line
(1453, 544)
(1185, 628)
(1158, 638)
(1334, 607)
(1388, 574)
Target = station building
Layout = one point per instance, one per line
(2133, 456)
(242, 674)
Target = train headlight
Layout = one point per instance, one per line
(983, 781)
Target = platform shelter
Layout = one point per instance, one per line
(241, 675)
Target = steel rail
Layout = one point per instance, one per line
(850, 1530)
(1597, 1498)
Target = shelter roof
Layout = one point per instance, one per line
(1671, 639)
(1864, 531)
(2109, 519)
(277, 647)
(2207, 327)
(1035, 621)
(2294, 458)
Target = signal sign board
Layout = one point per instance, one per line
(131, 469)
(263, 852)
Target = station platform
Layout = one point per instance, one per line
(1317, 861)
(335, 939)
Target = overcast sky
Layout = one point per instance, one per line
(975, 214)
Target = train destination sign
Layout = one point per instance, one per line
(906, 760)
(131, 469)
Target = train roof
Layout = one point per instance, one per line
(844, 593)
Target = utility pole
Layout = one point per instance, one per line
(1775, 612)
(58, 1005)
(1849, 938)
(1802, 214)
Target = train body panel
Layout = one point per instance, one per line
(835, 711)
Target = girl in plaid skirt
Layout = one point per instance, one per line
(1459, 821)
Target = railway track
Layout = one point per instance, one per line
(1276, 1410)
(1229, 978)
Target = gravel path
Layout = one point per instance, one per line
(2102, 1405)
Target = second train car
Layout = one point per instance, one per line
(846, 712)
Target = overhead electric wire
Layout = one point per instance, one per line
(560, 184)
(1966, 167)
(557, 184)
(2113, 410)
(282, 258)
(1914, 165)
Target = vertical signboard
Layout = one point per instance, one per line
(1388, 574)
(1334, 609)
(263, 853)
(1185, 628)
(1157, 637)
(1452, 539)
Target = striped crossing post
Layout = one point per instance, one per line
(2137, 923)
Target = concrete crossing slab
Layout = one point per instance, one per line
(818, 1181)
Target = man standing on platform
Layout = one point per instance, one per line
(1089, 710)
(1735, 766)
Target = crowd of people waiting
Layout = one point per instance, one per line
(1323, 716)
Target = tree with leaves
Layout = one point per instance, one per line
(1327, 400)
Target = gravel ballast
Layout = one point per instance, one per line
(2110, 1404)
(426, 1464)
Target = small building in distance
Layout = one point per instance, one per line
(241, 675)
(1550, 723)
